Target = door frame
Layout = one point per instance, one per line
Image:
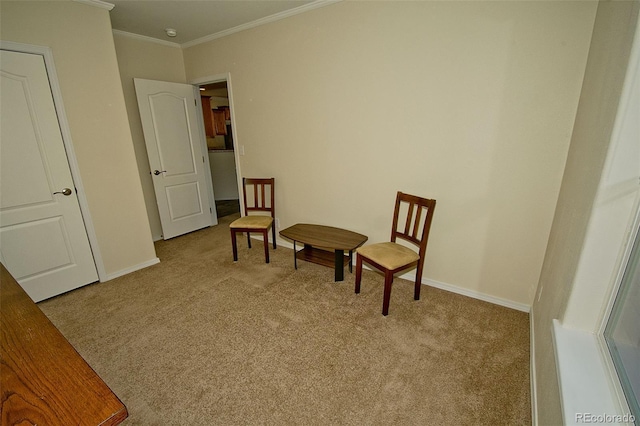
(217, 78)
(65, 130)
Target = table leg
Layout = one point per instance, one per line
(295, 256)
(339, 265)
(351, 261)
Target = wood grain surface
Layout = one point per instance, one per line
(43, 380)
(323, 236)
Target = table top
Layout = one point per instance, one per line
(324, 236)
(44, 380)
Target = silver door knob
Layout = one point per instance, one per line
(157, 172)
(65, 191)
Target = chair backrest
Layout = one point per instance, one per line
(263, 195)
(416, 226)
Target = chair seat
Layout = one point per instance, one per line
(389, 255)
(252, 222)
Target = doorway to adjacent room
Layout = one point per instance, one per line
(221, 147)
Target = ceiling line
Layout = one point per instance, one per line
(275, 17)
(97, 3)
(145, 38)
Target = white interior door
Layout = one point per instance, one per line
(175, 148)
(43, 241)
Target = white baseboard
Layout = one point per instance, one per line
(472, 293)
(532, 372)
(411, 276)
(134, 268)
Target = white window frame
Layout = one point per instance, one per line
(610, 368)
(589, 384)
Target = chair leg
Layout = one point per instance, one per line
(358, 272)
(265, 236)
(273, 231)
(418, 285)
(388, 281)
(249, 239)
(234, 245)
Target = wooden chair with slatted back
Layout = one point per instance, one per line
(392, 257)
(263, 201)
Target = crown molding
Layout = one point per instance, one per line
(97, 3)
(276, 17)
(145, 38)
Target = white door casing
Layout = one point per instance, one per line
(174, 142)
(43, 239)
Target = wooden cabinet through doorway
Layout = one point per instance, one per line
(207, 116)
(214, 120)
(219, 125)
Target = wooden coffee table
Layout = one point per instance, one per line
(319, 241)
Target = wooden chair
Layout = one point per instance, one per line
(263, 201)
(392, 257)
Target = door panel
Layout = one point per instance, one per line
(173, 137)
(184, 200)
(31, 170)
(53, 252)
(176, 156)
(43, 241)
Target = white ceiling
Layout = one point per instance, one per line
(197, 21)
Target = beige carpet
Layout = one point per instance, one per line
(201, 340)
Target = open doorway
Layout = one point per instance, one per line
(221, 147)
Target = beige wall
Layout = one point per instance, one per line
(471, 103)
(608, 57)
(152, 61)
(83, 50)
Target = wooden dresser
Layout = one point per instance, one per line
(43, 380)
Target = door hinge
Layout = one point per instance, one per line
(203, 158)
